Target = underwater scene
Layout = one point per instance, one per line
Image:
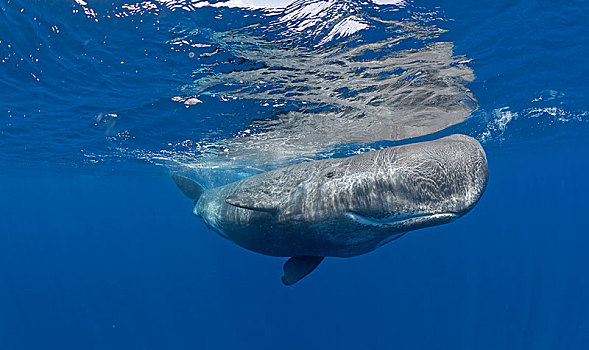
(318, 174)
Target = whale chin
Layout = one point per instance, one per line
(404, 222)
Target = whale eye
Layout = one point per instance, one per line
(329, 175)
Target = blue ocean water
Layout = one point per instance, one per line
(101, 101)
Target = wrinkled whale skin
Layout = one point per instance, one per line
(349, 206)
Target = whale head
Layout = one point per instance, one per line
(412, 186)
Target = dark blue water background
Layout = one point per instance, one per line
(99, 250)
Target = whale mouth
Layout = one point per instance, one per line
(404, 221)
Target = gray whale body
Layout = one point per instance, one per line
(347, 206)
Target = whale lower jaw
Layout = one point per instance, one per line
(410, 221)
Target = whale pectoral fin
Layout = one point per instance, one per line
(298, 267)
(190, 188)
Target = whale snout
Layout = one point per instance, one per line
(429, 183)
(472, 174)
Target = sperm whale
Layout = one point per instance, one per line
(344, 207)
